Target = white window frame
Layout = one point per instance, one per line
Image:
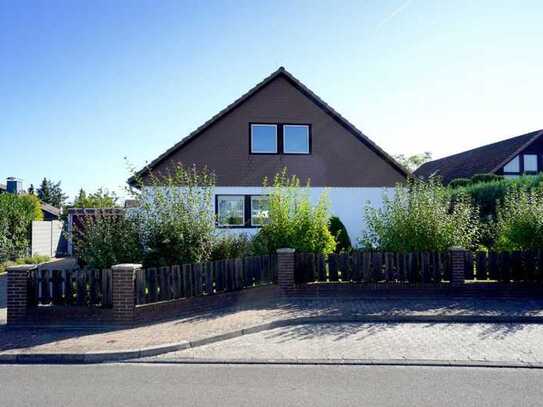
(227, 225)
(285, 126)
(253, 151)
(251, 214)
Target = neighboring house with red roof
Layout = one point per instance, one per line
(510, 158)
(282, 123)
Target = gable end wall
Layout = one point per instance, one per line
(338, 158)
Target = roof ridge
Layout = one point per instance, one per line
(532, 133)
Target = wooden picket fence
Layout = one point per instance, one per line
(373, 267)
(525, 266)
(87, 287)
(191, 280)
(418, 267)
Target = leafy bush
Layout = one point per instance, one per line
(485, 195)
(339, 232)
(231, 246)
(519, 224)
(293, 221)
(459, 182)
(34, 201)
(102, 198)
(175, 216)
(485, 178)
(36, 259)
(106, 239)
(421, 216)
(16, 215)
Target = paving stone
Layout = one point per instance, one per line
(246, 315)
(460, 342)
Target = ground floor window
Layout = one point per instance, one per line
(260, 210)
(242, 210)
(230, 210)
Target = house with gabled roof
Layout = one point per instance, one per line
(282, 123)
(510, 158)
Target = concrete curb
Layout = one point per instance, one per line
(127, 355)
(347, 362)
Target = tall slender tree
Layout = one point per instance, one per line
(51, 193)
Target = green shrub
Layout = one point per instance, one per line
(421, 216)
(231, 246)
(36, 205)
(36, 259)
(519, 223)
(4, 265)
(106, 239)
(459, 182)
(485, 178)
(338, 230)
(16, 215)
(485, 195)
(175, 216)
(293, 221)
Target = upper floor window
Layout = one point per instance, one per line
(280, 138)
(530, 163)
(296, 139)
(264, 138)
(513, 165)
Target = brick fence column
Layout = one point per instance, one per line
(285, 271)
(123, 287)
(17, 293)
(458, 255)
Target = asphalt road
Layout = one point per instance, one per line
(222, 385)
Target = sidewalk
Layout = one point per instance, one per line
(488, 343)
(247, 315)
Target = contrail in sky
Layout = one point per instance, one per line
(397, 11)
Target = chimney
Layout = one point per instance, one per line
(14, 185)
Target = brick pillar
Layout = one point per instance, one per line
(458, 255)
(17, 293)
(123, 288)
(285, 271)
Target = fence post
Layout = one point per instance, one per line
(17, 293)
(123, 289)
(285, 269)
(458, 256)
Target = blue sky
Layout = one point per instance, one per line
(84, 84)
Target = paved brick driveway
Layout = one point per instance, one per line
(246, 315)
(461, 342)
